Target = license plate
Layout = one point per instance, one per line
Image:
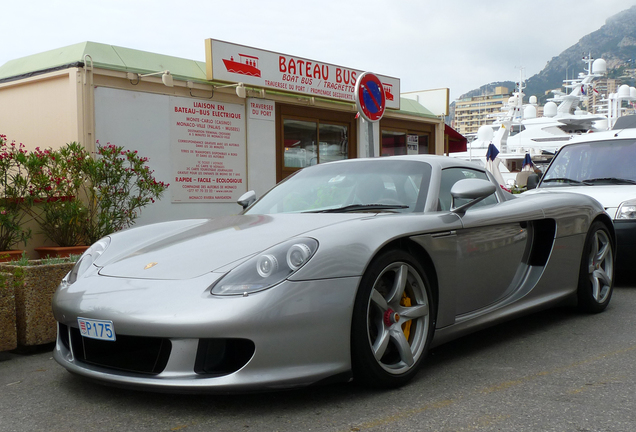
(96, 329)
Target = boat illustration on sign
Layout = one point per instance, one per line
(247, 65)
(388, 91)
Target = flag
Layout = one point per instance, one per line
(492, 163)
(492, 152)
(527, 163)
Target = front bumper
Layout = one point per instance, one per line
(300, 331)
(625, 246)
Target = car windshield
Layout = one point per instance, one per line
(370, 185)
(593, 163)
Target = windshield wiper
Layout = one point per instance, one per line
(610, 180)
(362, 207)
(562, 179)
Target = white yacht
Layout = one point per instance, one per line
(517, 131)
(563, 116)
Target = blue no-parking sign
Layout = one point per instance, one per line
(370, 98)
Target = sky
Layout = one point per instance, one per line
(455, 44)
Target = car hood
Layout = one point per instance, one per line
(610, 196)
(187, 249)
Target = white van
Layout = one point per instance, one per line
(603, 166)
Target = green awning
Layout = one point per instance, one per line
(103, 56)
(116, 58)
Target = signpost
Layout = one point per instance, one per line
(371, 102)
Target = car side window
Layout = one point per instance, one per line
(449, 177)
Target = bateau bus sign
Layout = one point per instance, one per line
(238, 63)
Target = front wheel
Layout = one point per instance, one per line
(596, 275)
(392, 321)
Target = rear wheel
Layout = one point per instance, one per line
(596, 276)
(392, 321)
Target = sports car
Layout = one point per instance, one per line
(346, 270)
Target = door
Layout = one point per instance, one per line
(492, 246)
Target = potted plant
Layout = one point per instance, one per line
(76, 199)
(8, 338)
(120, 184)
(34, 282)
(55, 182)
(12, 189)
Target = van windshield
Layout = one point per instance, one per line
(592, 163)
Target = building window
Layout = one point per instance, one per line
(312, 142)
(396, 142)
(406, 137)
(310, 136)
(393, 143)
(422, 144)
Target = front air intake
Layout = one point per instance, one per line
(222, 356)
(139, 354)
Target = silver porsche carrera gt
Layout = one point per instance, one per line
(350, 269)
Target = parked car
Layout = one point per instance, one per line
(350, 269)
(603, 166)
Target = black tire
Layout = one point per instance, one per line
(596, 275)
(393, 318)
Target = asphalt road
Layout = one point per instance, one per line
(553, 371)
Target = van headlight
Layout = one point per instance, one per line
(87, 259)
(627, 210)
(268, 268)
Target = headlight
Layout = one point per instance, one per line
(627, 210)
(267, 268)
(87, 259)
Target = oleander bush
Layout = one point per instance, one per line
(74, 197)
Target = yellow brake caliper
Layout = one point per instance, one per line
(406, 327)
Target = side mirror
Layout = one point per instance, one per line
(474, 190)
(247, 199)
(533, 181)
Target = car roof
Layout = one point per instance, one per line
(436, 161)
(625, 122)
(615, 133)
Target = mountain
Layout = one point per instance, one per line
(615, 42)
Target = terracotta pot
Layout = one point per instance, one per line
(10, 255)
(60, 251)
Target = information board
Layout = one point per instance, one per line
(208, 151)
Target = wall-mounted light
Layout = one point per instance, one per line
(241, 91)
(190, 86)
(166, 77)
